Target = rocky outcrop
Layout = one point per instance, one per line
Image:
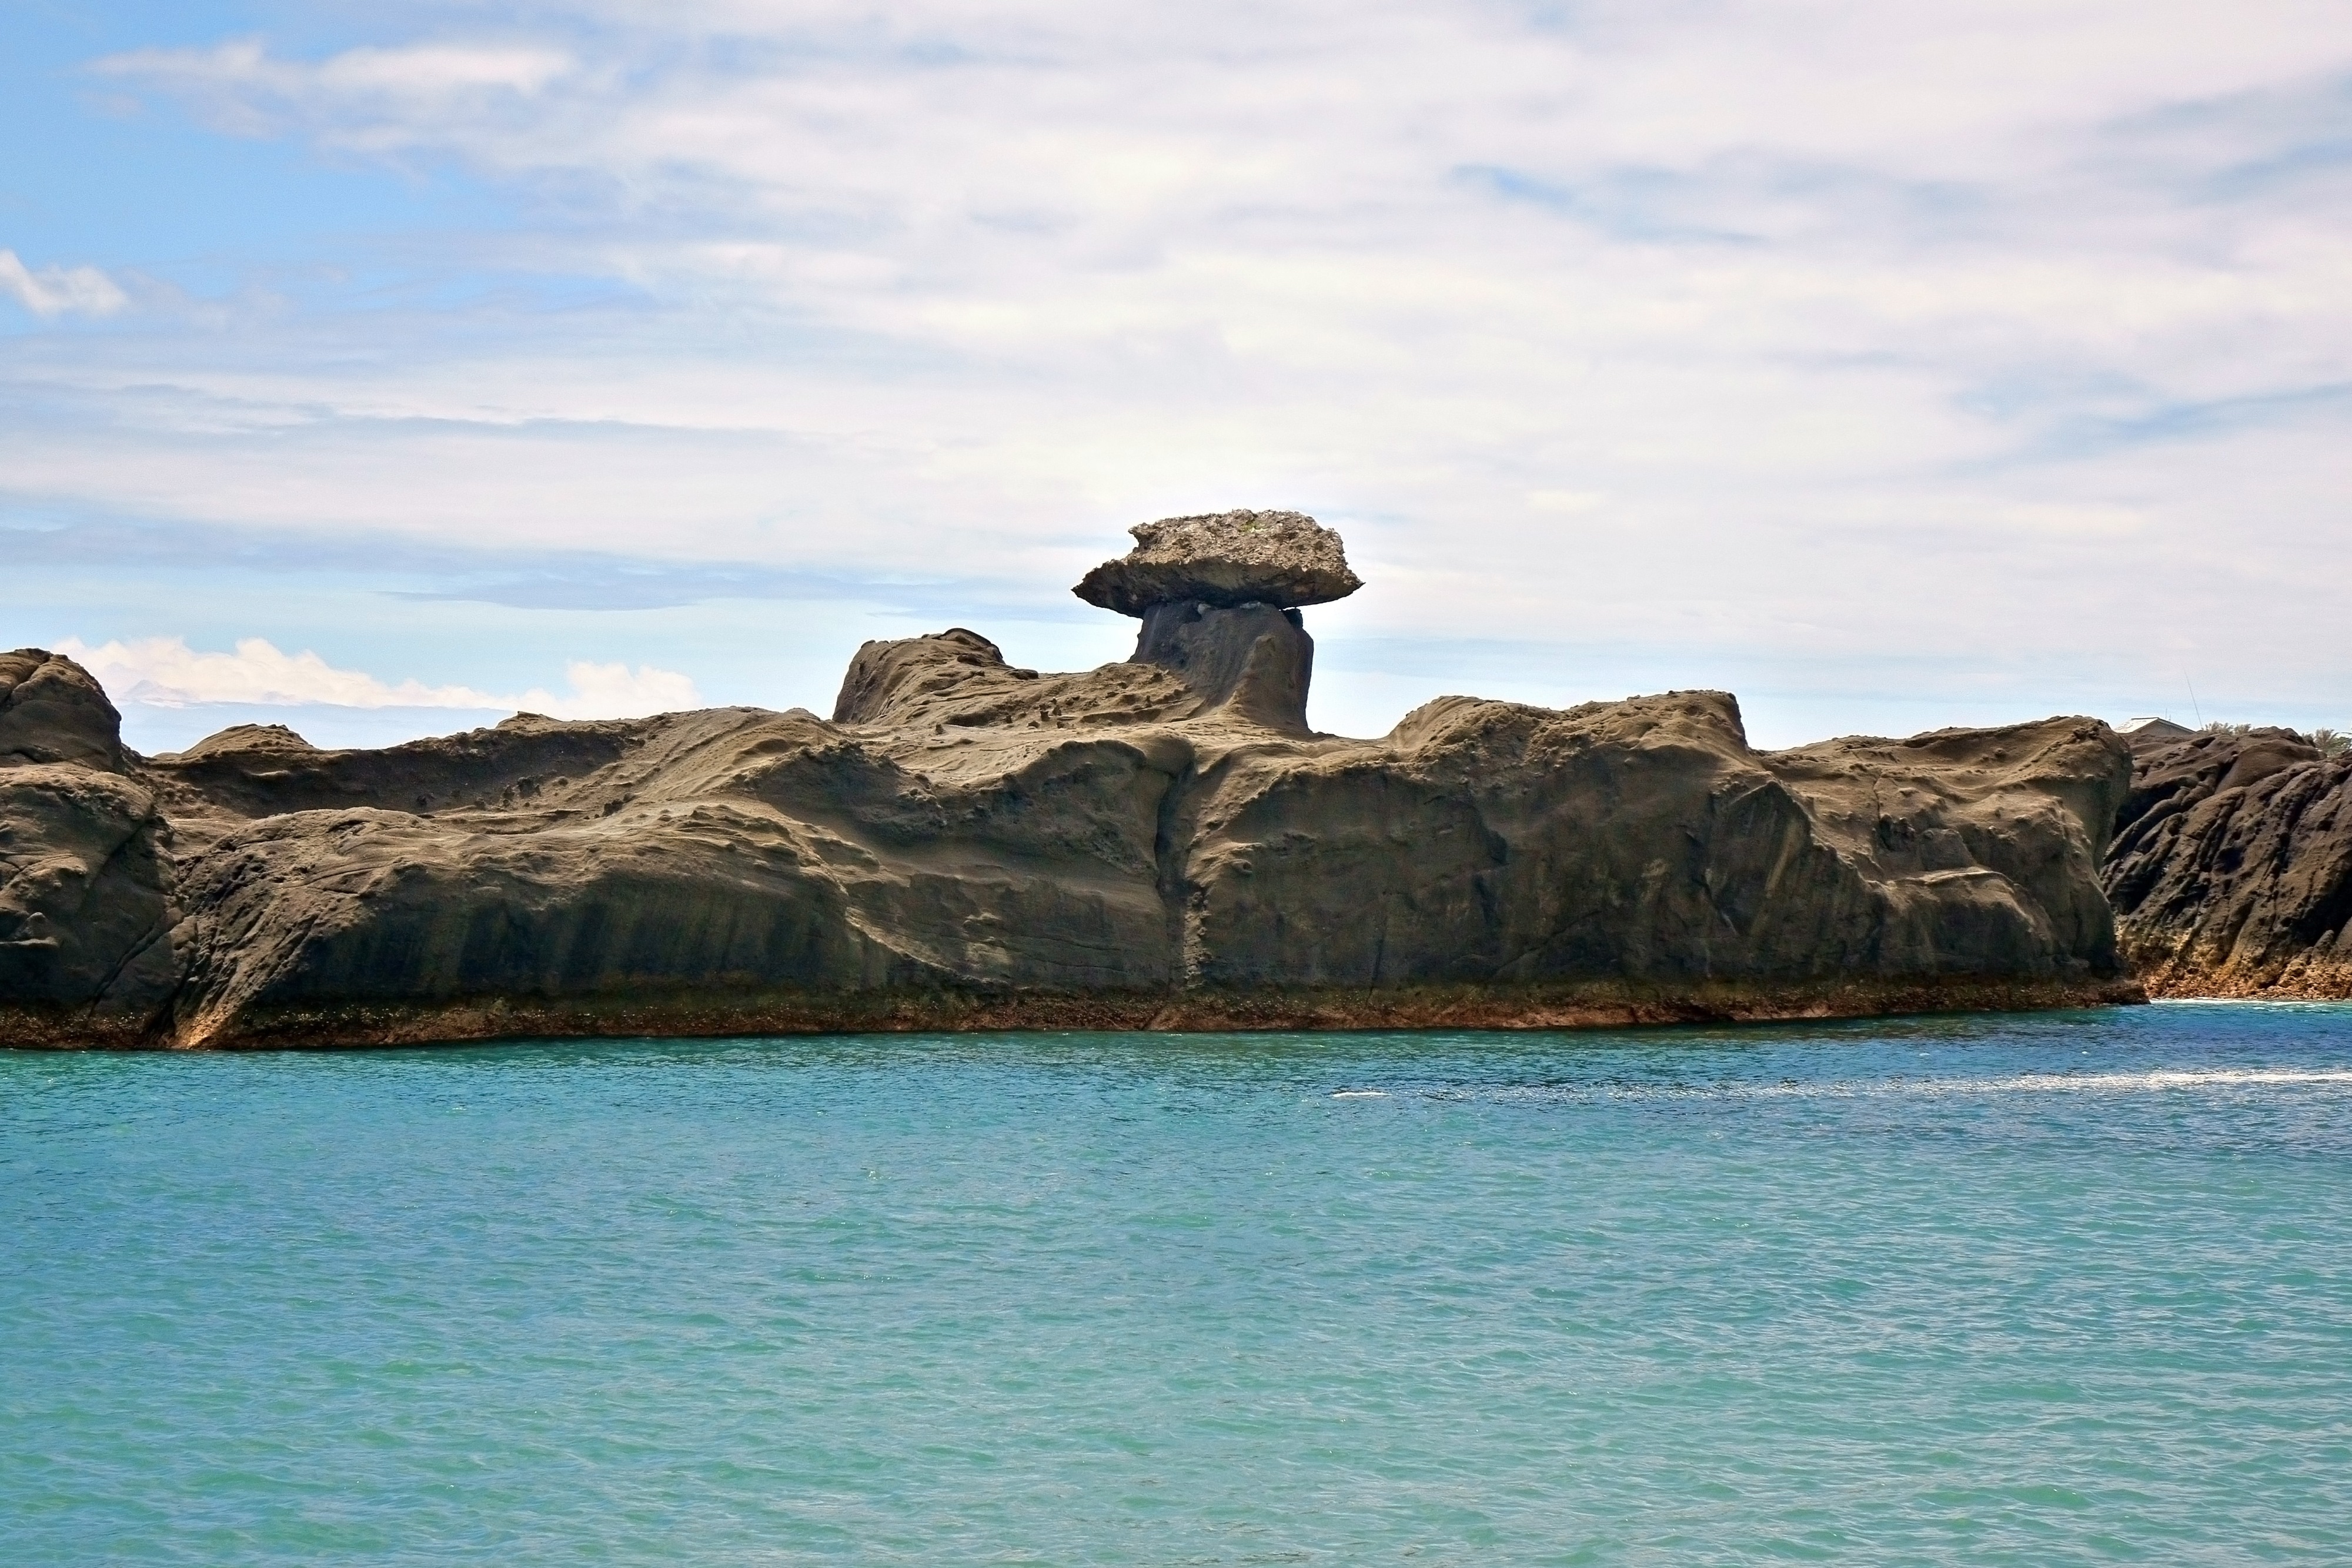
(53, 710)
(2230, 873)
(1161, 842)
(85, 879)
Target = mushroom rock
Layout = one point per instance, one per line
(1219, 596)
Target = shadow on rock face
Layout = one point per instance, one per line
(1256, 660)
(2230, 873)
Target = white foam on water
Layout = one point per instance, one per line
(2155, 1080)
(2168, 1077)
(1360, 1095)
(2248, 1002)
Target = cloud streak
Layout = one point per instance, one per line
(60, 291)
(368, 98)
(165, 672)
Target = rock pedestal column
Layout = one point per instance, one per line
(1254, 659)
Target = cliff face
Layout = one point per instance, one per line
(970, 844)
(85, 879)
(2230, 873)
(1161, 842)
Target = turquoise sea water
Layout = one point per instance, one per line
(2068, 1288)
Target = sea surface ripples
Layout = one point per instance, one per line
(2069, 1287)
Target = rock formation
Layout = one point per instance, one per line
(1225, 559)
(1219, 596)
(84, 875)
(2230, 873)
(1161, 842)
(52, 711)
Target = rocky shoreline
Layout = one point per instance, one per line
(752, 1011)
(1161, 843)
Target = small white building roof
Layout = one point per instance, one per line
(2151, 727)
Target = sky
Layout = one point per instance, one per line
(380, 368)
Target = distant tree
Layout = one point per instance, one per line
(2218, 727)
(2331, 743)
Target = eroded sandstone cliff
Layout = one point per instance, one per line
(2231, 868)
(1161, 843)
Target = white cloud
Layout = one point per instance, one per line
(376, 92)
(615, 691)
(1812, 326)
(1571, 503)
(165, 672)
(434, 71)
(60, 291)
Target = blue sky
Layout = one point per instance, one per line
(375, 368)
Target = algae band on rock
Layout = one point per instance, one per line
(1161, 842)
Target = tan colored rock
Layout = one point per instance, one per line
(1225, 559)
(969, 844)
(53, 710)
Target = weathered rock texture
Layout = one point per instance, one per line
(84, 879)
(2230, 873)
(1157, 843)
(51, 710)
(1226, 560)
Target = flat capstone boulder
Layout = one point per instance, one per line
(1226, 560)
